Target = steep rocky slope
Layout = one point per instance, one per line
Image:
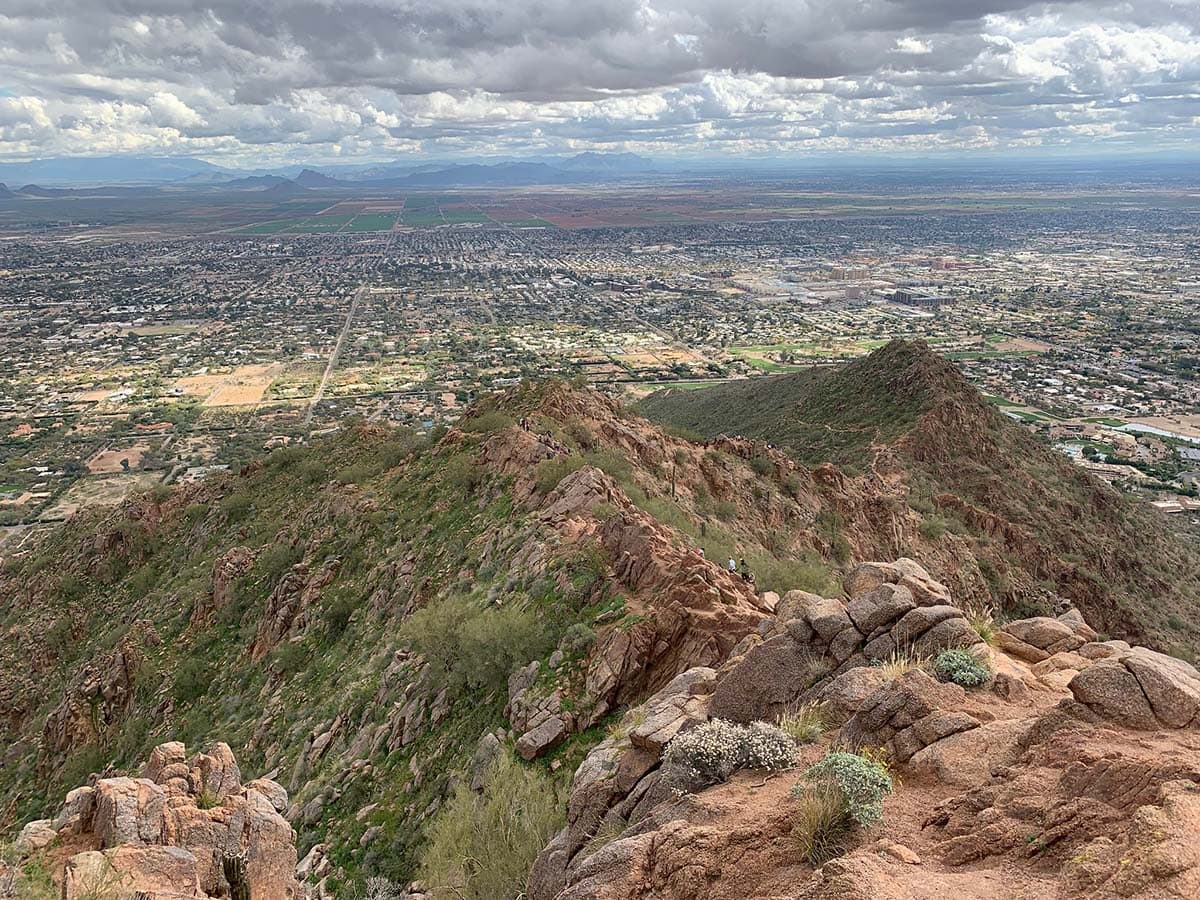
(1036, 525)
(348, 616)
(426, 642)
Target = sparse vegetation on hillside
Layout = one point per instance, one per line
(1035, 523)
(482, 844)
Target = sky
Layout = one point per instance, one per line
(243, 82)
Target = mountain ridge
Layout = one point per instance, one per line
(375, 620)
(1032, 515)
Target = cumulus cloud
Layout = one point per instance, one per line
(245, 80)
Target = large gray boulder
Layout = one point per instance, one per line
(768, 679)
(1142, 689)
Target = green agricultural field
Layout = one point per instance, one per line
(321, 225)
(461, 216)
(420, 217)
(372, 222)
(270, 227)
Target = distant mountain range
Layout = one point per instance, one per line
(157, 172)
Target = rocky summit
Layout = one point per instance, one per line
(822, 641)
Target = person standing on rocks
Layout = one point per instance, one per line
(732, 566)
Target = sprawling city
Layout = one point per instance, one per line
(170, 347)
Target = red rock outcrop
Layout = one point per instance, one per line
(181, 830)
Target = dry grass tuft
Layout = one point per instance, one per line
(822, 828)
(805, 723)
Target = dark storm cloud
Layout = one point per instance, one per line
(373, 77)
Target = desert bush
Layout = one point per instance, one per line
(577, 639)
(191, 681)
(461, 472)
(808, 573)
(486, 423)
(804, 724)
(337, 613)
(961, 667)
(766, 746)
(711, 752)
(550, 472)
(862, 782)
(708, 754)
(611, 463)
(932, 528)
(377, 888)
(726, 510)
(468, 645)
(291, 656)
(275, 560)
(481, 846)
(609, 830)
(829, 527)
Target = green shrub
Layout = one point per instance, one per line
(312, 471)
(862, 782)
(274, 561)
(725, 510)
(613, 464)
(794, 485)
(550, 472)
(461, 472)
(808, 573)
(487, 423)
(71, 588)
(961, 667)
(762, 465)
(337, 613)
(577, 639)
(712, 751)
(291, 656)
(829, 527)
(236, 506)
(984, 623)
(932, 528)
(191, 680)
(354, 474)
(481, 846)
(468, 645)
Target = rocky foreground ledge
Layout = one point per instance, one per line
(187, 829)
(1073, 773)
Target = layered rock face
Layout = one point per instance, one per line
(1074, 773)
(187, 828)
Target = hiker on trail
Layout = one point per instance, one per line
(744, 569)
(732, 566)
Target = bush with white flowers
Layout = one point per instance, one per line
(711, 752)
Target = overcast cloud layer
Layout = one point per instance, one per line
(271, 80)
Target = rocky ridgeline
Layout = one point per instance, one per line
(1050, 756)
(187, 829)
